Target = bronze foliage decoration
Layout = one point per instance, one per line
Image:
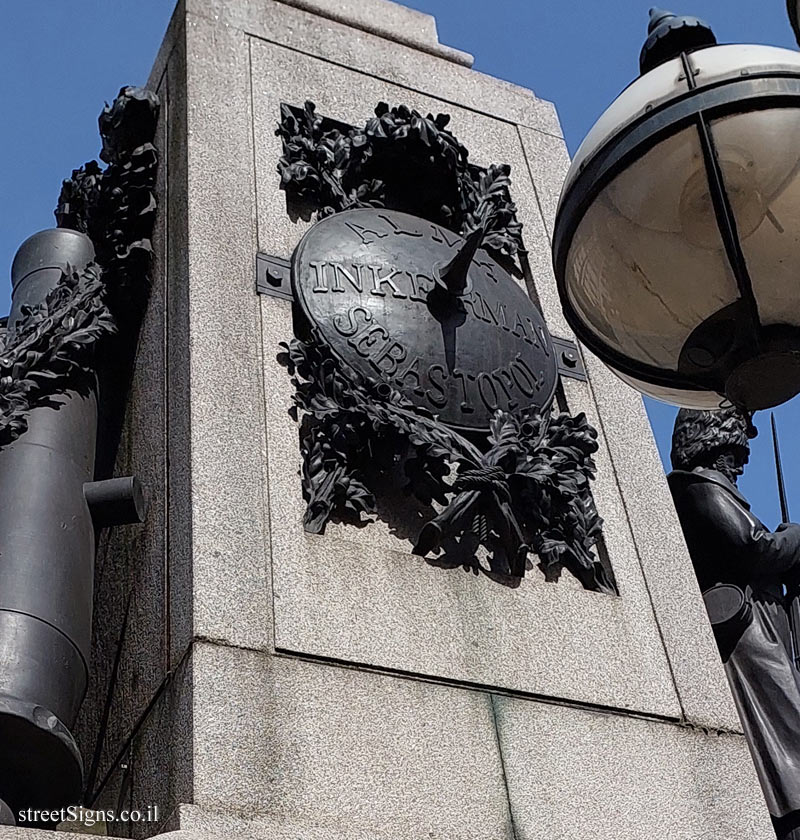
(399, 160)
(488, 502)
(527, 491)
(116, 207)
(51, 347)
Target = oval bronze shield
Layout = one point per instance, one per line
(363, 278)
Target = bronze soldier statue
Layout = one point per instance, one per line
(744, 571)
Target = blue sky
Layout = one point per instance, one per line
(61, 59)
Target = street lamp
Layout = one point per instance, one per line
(677, 239)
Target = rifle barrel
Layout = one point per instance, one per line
(779, 471)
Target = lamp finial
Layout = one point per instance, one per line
(669, 35)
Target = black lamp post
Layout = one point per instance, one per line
(677, 240)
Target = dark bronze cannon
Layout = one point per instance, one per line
(50, 509)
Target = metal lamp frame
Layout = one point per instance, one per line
(698, 107)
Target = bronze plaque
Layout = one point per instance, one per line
(368, 280)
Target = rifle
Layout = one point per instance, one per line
(792, 590)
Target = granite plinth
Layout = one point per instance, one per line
(336, 685)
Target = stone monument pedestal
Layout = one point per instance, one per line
(254, 680)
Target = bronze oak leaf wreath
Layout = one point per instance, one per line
(50, 344)
(527, 493)
(334, 168)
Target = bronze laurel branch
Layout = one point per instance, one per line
(527, 491)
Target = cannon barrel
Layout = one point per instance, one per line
(47, 547)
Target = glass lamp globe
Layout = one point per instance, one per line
(677, 239)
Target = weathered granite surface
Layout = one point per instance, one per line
(616, 776)
(343, 46)
(276, 736)
(227, 448)
(130, 634)
(387, 19)
(336, 597)
(307, 747)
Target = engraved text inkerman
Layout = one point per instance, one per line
(371, 282)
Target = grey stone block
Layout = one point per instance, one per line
(8, 832)
(355, 752)
(283, 747)
(177, 338)
(172, 37)
(549, 162)
(683, 623)
(152, 768)
(229, 518)
(203, 824)
(162, 757)
(345, 93)
(389, 20)
(342, 46)
(197, 823)
(579, 775)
